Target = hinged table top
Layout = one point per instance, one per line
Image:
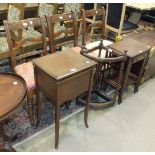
(63, 64)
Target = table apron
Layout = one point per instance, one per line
(74, 86)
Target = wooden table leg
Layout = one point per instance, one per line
(88, 99)
(57, 118)
(129, 64)
(38, 103)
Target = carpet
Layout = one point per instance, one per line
(19, 123)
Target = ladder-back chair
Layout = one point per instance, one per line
(64, 35)
(21, 59)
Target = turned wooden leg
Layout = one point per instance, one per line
(57, 118)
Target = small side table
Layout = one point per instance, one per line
(62, 77)
(13, 92)
(137, 52)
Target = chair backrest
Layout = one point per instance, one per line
(105, 65)
(75, 7)
(15, 11)
(59, 34)
(99, 24)
(21, 34)
(47, 9)
(115, 13)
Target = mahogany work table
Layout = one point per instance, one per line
(62, 77)
(137, 52)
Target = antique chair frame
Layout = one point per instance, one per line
(100, 24)
(61, 18)
(15, 43)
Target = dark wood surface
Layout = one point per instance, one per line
(62, 77)
(144, 36)
(64, 64)
(133, 47)
(13, 92)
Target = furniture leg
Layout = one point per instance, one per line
(125, 80)
(88, 99)
(30, 109)
(38, 106)
(57, 118)
(80, 28)
(106, 33)
(38, 103)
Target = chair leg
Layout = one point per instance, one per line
(92, 34)
(106, 33)
(30, 108)
(38, 104)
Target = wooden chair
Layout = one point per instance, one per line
(60, 35)
(20, 59)
(15, 13)
(115, 13)
(99, 25)
(109, 70)
(47, 9)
